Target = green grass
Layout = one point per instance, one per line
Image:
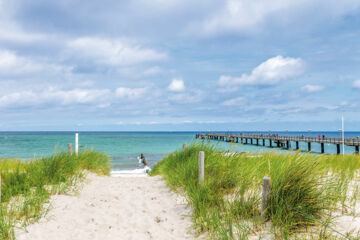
(27, 185)
(305, 189)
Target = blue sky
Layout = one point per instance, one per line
(179, 65)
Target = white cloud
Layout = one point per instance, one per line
(356, 84)
(268, 73)
(10, 62)
(13, 64)
(234, 101)
(177, 85)
(54, 96)
(312, 88)
(252, 15)
(130, 93)
(117, 52)
(10, 30)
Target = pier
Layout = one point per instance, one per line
(275, 140)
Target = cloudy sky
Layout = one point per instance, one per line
(179, 64)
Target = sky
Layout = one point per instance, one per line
(179, 65)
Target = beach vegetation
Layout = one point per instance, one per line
(27, 185)
(307, 192)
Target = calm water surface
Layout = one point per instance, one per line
(124, 147)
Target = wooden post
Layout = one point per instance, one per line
(287, 144)
(297, 145)
(263, 142)
(184, 146)
(322, 147)
(257, 141)
(76, 143)
(251, 141)
(201, 167)
(270, 142)
(70, 148)
(309, 146)
(356, 149)
(265, 194)
(237, 139)
(338, 148)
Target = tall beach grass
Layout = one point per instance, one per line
(27, 185)
(305, 190)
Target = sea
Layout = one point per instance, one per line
(125, 147)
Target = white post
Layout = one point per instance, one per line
(76, 143)
(343, 135)
(201, 166)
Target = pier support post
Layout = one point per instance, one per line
(251, 141)
(297, 145)
(265, 195)
(338, 148)
(76, 143)
(237, 139)
(278, 143)
(257, 141)
(263, 142)
(201, 167)
(70, 150)
(242, 140)
(287, 144)
(322, 147)
(356, 149)
(309, 146)
(246, 141)
(270, 142)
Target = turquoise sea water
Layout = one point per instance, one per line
(124, 147)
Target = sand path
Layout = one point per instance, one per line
(123, 207)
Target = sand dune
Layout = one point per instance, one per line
(122, 207)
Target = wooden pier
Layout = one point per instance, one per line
(275, 140)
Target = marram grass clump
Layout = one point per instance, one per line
(305, 188)
(27, 185)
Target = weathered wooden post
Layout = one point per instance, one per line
(70, 150)
(184, 146)
(201, 167)
(322, 147)
(338, 148)
(309, 146)
(265, 194)
(297, 145)
(263, 142)
(76, 143)
(356, 149)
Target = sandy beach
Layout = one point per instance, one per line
(118, 207)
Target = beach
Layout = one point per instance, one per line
(117, 207)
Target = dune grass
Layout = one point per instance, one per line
(305, 190)
(27, 185)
